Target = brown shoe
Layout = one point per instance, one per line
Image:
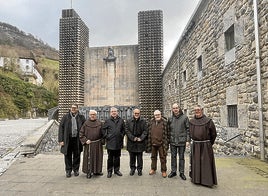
(164, 174)
(152, 172)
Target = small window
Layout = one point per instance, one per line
(184, 79)
(199, 68)
(229, 38)
(175, 83)
(200, 64)
(232, 115)
(184, 76)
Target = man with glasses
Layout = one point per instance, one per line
(179, 138)
(69, 141)
(158, 142)
(136, 131)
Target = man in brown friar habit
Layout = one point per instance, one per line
(91, 137)
(203, 134)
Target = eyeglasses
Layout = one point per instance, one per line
(136, 113)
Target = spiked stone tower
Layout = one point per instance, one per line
(73, 41)
(150, 35)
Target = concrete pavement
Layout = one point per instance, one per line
(14, 132)
(44, 174)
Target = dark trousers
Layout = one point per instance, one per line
(163, 158)
(72, 159)
(136, 156)
(113, 162)
(180, 151)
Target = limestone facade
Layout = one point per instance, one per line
(214, 65)
(111, 80)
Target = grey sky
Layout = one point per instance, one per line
(110, 22)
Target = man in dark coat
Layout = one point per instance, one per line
(158, 142)
(91, 138)
(69, 141)
(203, 134)
(179, 137)
(136, 131)
(114, 131)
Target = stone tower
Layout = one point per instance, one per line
(150, 60)
(73, 41)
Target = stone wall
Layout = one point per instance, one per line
(203, 70)
(111, 79)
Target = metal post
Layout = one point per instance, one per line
(258, 67)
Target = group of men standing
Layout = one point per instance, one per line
(154, 137)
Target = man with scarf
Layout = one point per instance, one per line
(69, 141)
(179, 138)
(136, 131)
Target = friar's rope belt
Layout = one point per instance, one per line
(195, 141)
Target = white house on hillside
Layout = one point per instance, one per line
(1, 61)
(30, 71)
(24, 65)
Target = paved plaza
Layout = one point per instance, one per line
(44, 175)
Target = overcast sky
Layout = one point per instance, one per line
(110, 22)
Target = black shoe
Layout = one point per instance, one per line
(182, 176)
(118, 173)
(109, 175)
(172, 174)
(76, 173)
(89, 175)
(68, 174)
(139, 173)
(132, 172)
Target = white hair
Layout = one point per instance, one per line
(93, 111)
(157, 112)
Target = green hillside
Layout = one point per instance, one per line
(50, 73)
(21, 99)
(18, 98)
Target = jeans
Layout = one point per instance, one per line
(180, 150)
